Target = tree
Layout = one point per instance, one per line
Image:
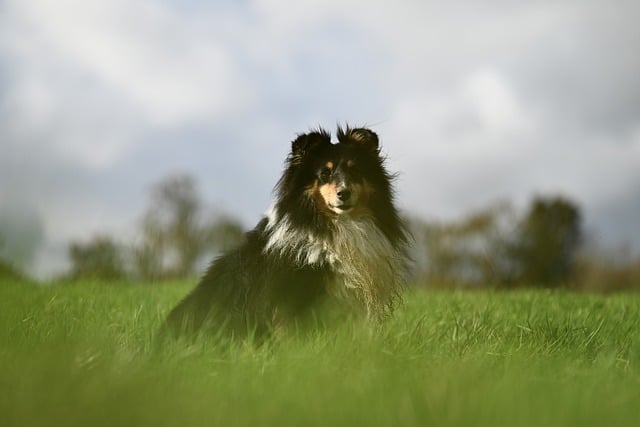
(224, 233)
(172, 236)
(176, 233)
(549, 236)
(494, 247)
(472, 251)
(100, 258)
(8, 272)
(21, 235)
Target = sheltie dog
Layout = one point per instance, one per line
(332, 231)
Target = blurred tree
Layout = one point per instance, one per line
(493, 247)
(100, 258)
(8, 272)
(548, 239)
(172, 236)
(224, 233)
(175, 233)
(21, 234)
(147, 263)
(472, 251)
(607, 270)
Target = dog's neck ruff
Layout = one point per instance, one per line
(368, 269)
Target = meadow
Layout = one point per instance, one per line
(87, 354)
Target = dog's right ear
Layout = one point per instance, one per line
(308, 142)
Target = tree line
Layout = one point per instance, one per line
(176, 236)
(544, 246)
(497, 246)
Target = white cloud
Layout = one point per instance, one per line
(96, 74)
(495, 104)
(479, 141)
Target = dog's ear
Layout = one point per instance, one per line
(363, 137)
(308, 142)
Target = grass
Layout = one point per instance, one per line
(86, 354)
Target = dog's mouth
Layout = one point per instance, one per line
(341, 207)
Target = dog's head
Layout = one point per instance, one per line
(338, 178)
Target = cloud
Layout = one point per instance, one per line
(476, 136)
(494, 104)
(96, 75)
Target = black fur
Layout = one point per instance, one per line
(254, 288)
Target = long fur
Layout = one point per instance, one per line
(367, 268)
(312, 243)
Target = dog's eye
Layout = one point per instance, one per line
(325, 175)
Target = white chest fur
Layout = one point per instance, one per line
(368, 269)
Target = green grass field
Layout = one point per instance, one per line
(86, 355)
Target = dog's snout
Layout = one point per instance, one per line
(344, 194)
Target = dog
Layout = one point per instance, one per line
(332, 231)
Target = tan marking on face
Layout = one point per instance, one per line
(350, 163)
(356, 205)
(329, 165)
(314, 192)
(325, 197)
(329, 193)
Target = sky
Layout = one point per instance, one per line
(474, 103)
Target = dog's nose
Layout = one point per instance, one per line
(344, 194)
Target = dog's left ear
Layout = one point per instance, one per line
(359, 136)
